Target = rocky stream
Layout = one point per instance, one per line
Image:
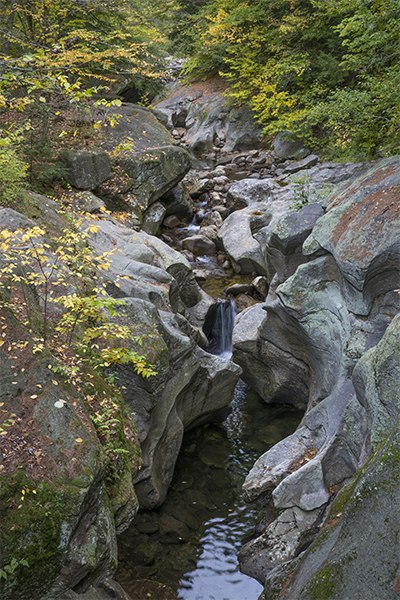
(265, 286)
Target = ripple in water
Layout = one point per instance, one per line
(205, 499)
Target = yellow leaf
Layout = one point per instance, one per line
(79, 440)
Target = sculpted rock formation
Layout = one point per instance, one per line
(191, 386)
(66, 525)
(362, 524)
(313, 343)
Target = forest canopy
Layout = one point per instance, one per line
(326, 69)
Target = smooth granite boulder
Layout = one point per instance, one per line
(250, 191)
(286, 145)
(284, 250)
(363, 522)
(361, 229)
(245, 234)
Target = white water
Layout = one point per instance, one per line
(221, 333)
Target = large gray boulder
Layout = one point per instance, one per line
(154, 172)
(362, 524)
(361, 229)
(136, 129)
(245, 234)
(286, 145)
(284, 250)
(85, 170)
(250, 191)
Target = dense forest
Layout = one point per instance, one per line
(326, 69)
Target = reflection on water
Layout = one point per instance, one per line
(191, 543)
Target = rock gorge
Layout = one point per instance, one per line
(325, 338)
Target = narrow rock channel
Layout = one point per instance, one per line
(191, 543)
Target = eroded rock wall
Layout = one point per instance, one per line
(315, 343)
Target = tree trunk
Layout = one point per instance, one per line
(10, 25)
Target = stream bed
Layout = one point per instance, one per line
(190, 544)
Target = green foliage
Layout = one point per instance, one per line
(57, 57)
(40, 274)
(12, 169)
(305, 192)
(12, 567)
(326, 70)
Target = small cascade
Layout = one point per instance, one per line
(193, 226)
(218, 327)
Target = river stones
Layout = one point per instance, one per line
(199, 245)
(153, 217)
(177, 202)
(172, 531)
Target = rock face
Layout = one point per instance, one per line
(192, 386)
(209, 120)
(145, 166)
(69, 510)
(315, 343)
(86, 170)
(363, 522)
(288, 146)
(154, 172)
(64, 525)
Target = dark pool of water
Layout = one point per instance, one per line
(205, 506)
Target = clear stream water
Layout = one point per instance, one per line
(204, 502)
(205, 495)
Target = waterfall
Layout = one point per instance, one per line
(218, 327)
